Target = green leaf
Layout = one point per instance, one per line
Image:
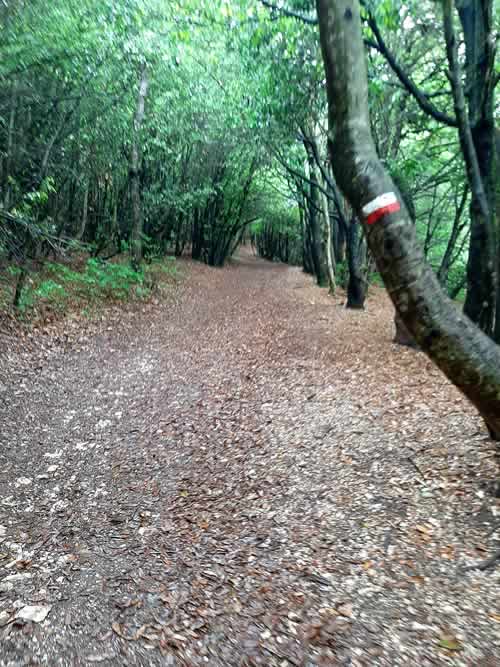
(450, 643)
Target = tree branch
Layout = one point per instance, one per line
(334, 196)
(300, 175)
(421, 98)
(310, 20)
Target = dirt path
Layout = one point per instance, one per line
(252, 476)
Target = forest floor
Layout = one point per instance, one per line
(243, 474)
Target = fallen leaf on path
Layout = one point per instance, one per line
(450, 643)
(34, 613)
(345, 610)
(99, 658)
(4, 618)
(117, 629)
(129, 603)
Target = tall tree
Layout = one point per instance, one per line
(135, 171)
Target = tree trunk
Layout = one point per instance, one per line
(356, 287)
(477, 23)
(330, 259)
(341, 244)
(316, 245)
(497, 212)
(20, 282)
(402, 335)
(115, 227)
(44, 168)
(135, 175)
(198, 233)
(179, 245)
(467, 356)
(307, 260)
(85, 211)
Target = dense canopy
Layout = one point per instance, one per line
(249, 332)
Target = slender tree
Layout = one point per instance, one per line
(135, 175)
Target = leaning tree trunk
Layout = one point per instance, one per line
(467, 356)
(401, 334)
(135, 177)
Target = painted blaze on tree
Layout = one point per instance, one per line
(467, 356)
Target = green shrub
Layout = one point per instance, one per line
(49, 289)
(61, 287)
(113, 280)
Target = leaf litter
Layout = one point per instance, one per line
(244, 474)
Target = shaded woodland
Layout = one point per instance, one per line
(144, 130)
(249, 333)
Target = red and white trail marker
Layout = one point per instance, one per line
(386, 203)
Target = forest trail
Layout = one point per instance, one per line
(251, 475)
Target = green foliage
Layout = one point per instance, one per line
(49, 290)
(62, 288)
(13, 270)
(232, 86)
(34, 200)
(112, 280)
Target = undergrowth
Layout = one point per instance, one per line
(60, 288)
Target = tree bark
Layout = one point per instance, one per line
(306, 249)
(402, 336)
(496, 173)
(330, 258)
(356, 287)
(317, 250)
(135, 176)
(85, 211)
(477, 136)
(466, 355)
